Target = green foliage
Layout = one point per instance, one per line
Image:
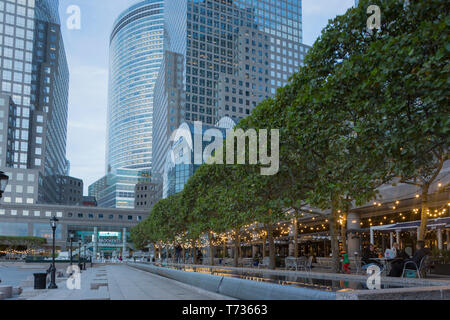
(31, 242)
(366, 108)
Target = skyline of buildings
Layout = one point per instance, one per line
(237, 53)
(231, 54)
(240, 43)
(33, 131)
(218, 58)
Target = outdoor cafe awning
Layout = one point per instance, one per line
(439, 223)
(413, 225)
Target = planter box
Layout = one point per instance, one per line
(443, 269)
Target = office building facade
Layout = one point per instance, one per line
(70, 191)
(168, 112)
(180, 163)
(116, 189)
(236, 54)
(33, 100)
(105, 232)
(146, 195)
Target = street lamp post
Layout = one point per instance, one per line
(3, 182)
(79, 254)
(71, 235)
(53, 285)
(84, 256)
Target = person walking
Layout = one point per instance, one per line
(346, 261)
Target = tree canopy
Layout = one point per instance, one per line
(367, 108)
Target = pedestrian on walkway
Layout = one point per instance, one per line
(346, 261)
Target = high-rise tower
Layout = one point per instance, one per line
(136, 53)
(33, 100)
(236, 54)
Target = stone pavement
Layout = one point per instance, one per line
(120, 282)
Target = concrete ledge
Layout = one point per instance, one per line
(16, 291)
(6, 291)
(238, 288)
(327, 276)
(428, 293)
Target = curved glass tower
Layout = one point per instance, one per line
(136, 52)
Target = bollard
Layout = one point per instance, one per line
(6, 291)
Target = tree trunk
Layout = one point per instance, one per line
(224, 249)
(174, 255)
(271, 247)
(184, 254)
(194, 252)
(344, 233)
(264, 246)
(211, 257)
(236, 249)
(424, 214)
(296, 236)
(334, 236)
(240, 248)
(159, 251)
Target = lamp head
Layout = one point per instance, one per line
(53, 222)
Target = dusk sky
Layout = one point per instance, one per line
(87, 54)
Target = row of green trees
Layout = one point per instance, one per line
(367, 108)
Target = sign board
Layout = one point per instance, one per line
(108, 234)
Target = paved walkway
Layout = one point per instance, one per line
(120, 282)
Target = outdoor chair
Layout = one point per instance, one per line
(306, 263)
(290, 262)
(359, 264)
(416, 271)
(301, 262)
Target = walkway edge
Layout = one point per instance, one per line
(212, 295)
(238, 288)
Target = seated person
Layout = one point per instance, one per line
(421, 251)
(368, 256)
(397, 254)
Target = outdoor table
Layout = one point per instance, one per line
(385, 262)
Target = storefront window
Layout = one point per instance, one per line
(44, 230)
(13, 229)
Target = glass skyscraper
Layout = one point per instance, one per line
(136, 54)
(33, 100)
(236, 54)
